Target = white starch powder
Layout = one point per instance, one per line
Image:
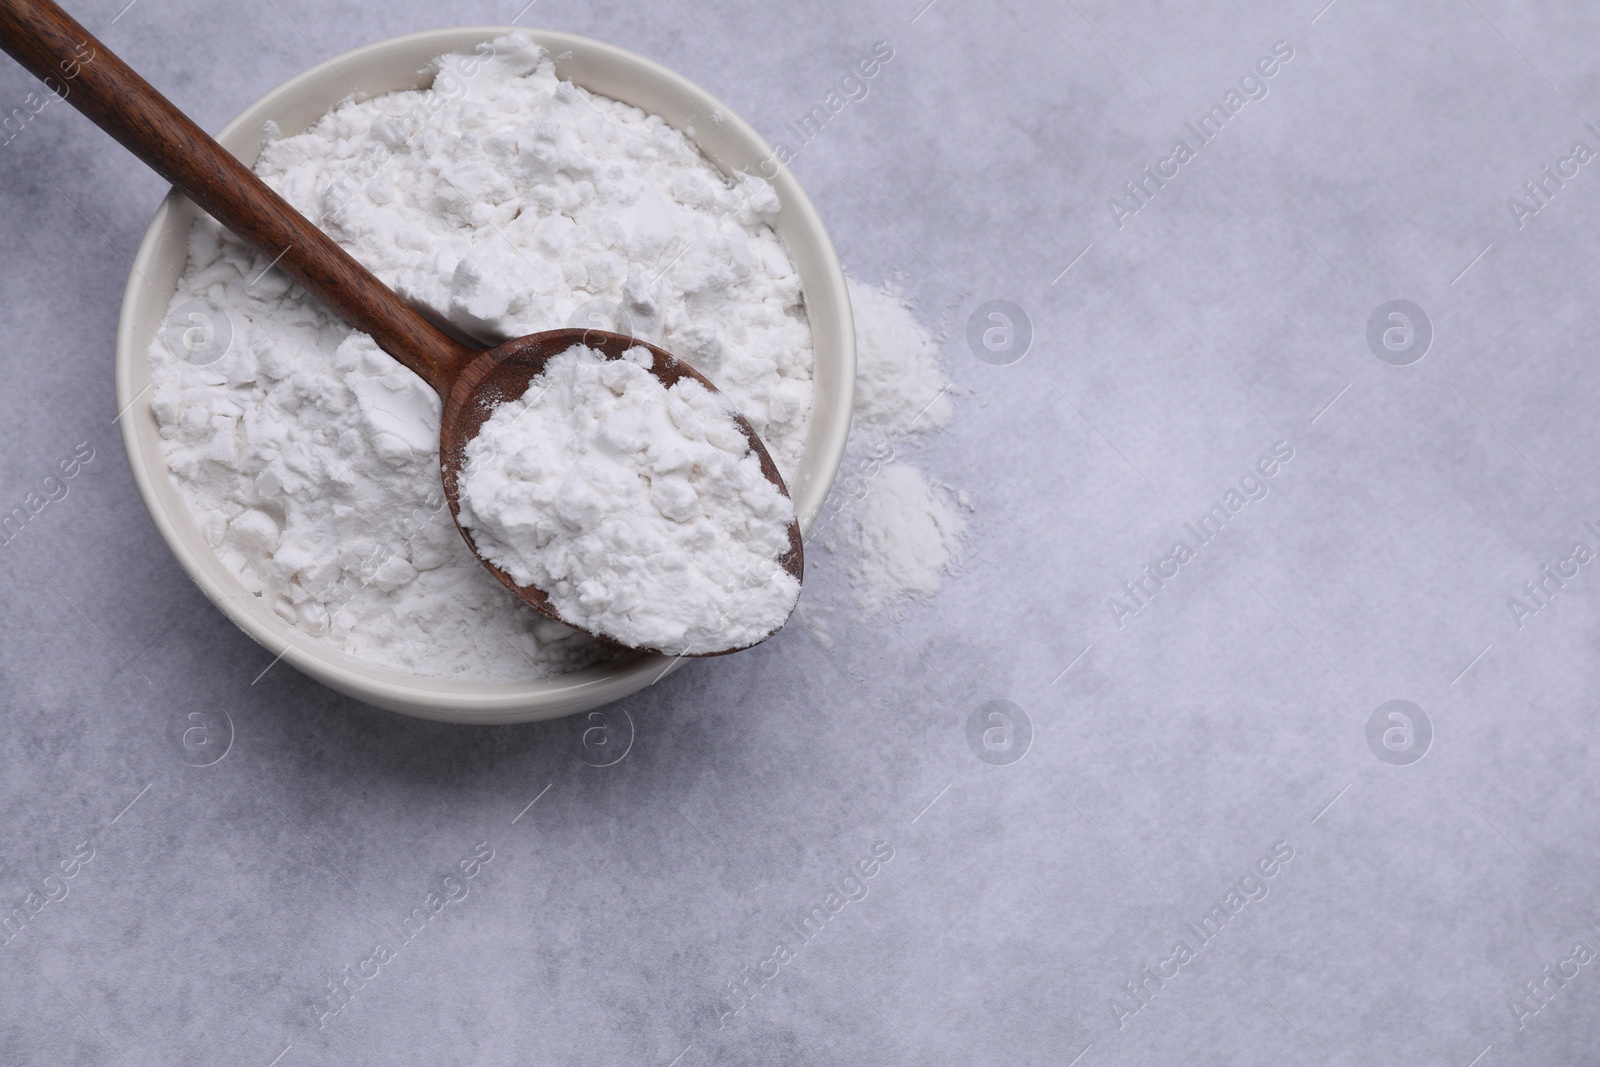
(640, 510)
(509, 202)
(894, 532)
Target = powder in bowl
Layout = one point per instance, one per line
(505, 200)
(639, 509)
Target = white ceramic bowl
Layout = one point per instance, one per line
(397, 64)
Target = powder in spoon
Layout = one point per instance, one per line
(639, 509)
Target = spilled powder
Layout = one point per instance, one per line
(901, 537)
(901, 384)
(894, 531)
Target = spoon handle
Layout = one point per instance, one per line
(79, 69)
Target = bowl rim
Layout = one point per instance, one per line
(445, 699)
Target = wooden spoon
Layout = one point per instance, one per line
(471, 382)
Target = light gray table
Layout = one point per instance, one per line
(1031, 909)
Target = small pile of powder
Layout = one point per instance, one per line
(901, 383)
(900, 538)
(507, 201)
(895, 532)
(640, 510)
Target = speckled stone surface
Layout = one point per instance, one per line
(1200, 831)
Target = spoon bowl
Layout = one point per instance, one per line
(502, 374)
